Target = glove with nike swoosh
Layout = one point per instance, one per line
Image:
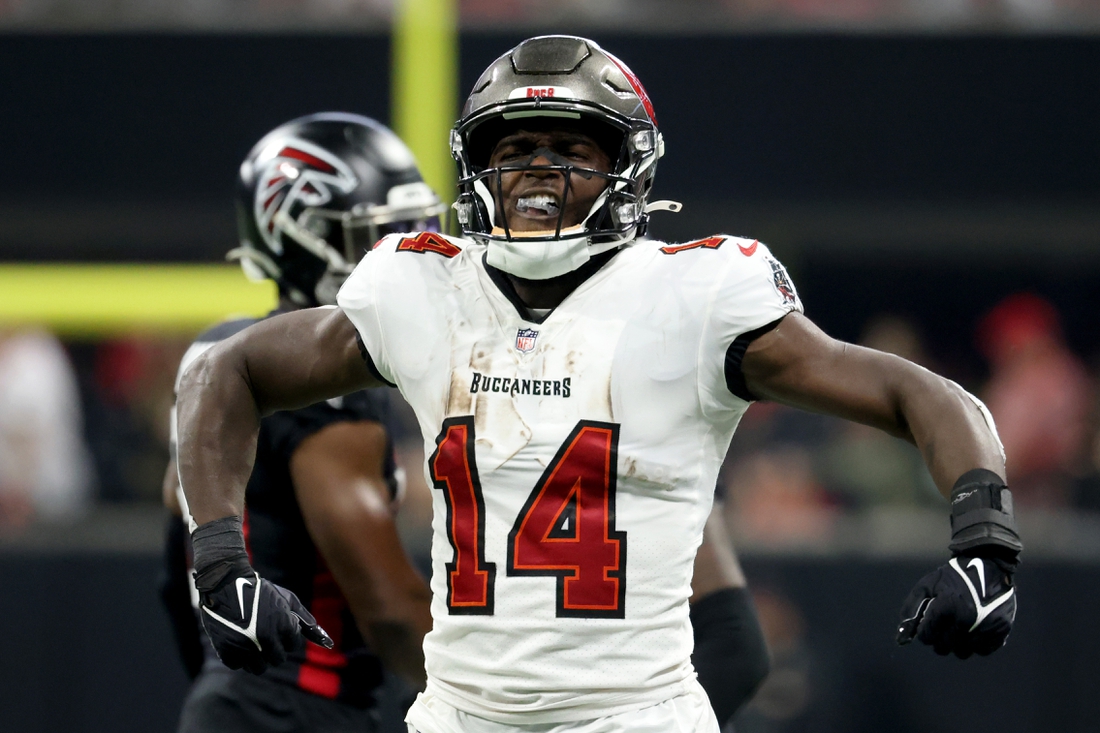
(968, 605)
(251, 622)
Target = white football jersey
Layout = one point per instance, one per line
(573, 460)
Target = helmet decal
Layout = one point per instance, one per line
(636, 85)
(298, 172)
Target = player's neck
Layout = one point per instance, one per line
(551, 292)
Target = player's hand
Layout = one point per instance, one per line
(964, 607)
(251, 622)
(968, 605)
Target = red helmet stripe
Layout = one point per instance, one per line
(307, 159)
(637, 86)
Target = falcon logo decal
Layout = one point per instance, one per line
(294, 172)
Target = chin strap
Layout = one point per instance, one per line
(664, 205)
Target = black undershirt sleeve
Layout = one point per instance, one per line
(730, 654)
(369, 361)
(735, 379)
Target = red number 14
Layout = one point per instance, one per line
(566, 528)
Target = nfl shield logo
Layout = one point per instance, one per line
(525, 339)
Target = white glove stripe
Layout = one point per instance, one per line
(983, 611)
(248, 632)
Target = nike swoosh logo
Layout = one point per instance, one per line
(981, 571)
(750, 250)
(983, 611)
(241, 583)
(249, 632)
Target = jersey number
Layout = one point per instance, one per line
(428, 242)
(566, 528)
(708, 243)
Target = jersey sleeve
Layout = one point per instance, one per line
(359, 299)
(754, 292)
(399, 299)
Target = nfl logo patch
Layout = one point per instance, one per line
(525, 339)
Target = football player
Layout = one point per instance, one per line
(577, 386)
(313, 196)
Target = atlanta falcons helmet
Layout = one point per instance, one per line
(316, 193)
(572, 79)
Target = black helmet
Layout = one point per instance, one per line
(315, 194)
(575, 80)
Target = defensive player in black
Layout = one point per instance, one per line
(730, 656)
(313, 196)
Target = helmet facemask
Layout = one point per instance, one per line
(338, 239)
(616, 216)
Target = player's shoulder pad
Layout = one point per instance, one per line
(744, 261)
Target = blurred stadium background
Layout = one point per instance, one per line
(927, 169)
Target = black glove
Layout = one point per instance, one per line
(251, 623)
(968, 605)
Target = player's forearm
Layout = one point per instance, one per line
(394, 620)
(798, 365)
(399, 639)
(218, 422)
(949, 429)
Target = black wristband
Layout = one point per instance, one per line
(216, 547)
(720, 606)
(731, 656)
(982, 514)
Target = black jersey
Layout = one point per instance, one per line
(282, 551)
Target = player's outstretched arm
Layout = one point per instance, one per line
(339, 480)
(284, 362)
(968, 605)
(797, 364)
(731, 656)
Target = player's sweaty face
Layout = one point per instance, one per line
(532, 199)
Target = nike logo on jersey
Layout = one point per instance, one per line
(516, 386)
(994, 604)
(751, 249)
(249, 631)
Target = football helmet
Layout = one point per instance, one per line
(572, 79)
(316, 193)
